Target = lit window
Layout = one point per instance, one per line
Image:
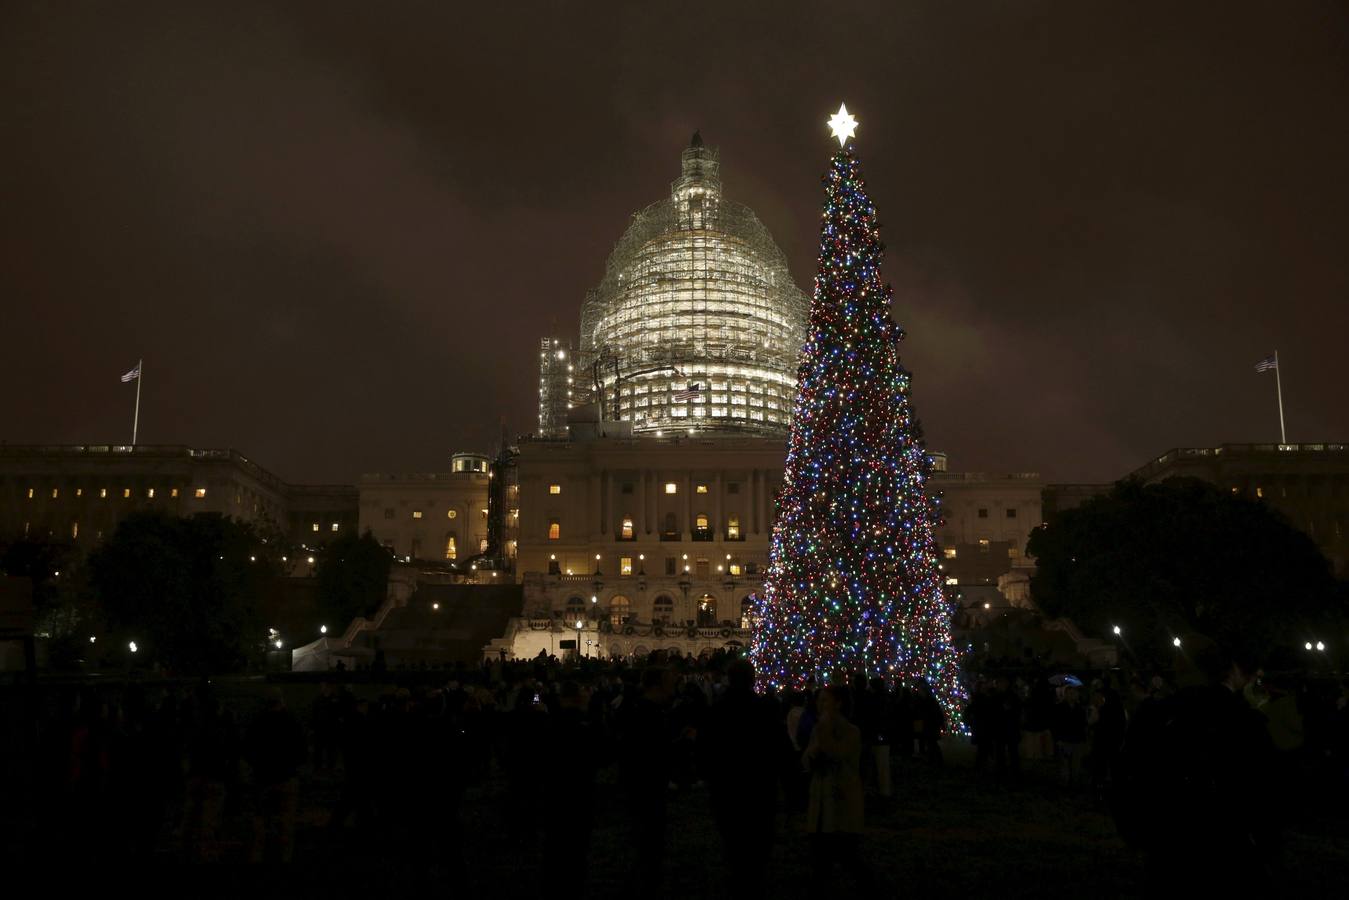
(735, 568)
(554, 488)
(1259, 492)
(701, 522)
(952, 580)
(451, 547)
(702, 489)
(671, 487)
(200, 493)
(173, 492)
(482, 545)
(315, 526)
(983, 545)
(620, 609)
(55, 493)
(335, 526)
(627, 529)
(150, 493)
(416, 514)
(625, 565)
(79, 492)
(30, 493)
(733, 528)
(126, 493)
(1013, 552)
(450, 514)
(484, 513)
(103, 493)
(554, 529)
(74, 530)
(950, 552)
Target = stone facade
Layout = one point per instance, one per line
(79, 493)
(988, 520)
(435, 516)
(642, 540)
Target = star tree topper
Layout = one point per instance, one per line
(843, 125)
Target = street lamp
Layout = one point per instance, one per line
(579, 625)
(1116, 630)
(1175, 642)
(132, 647)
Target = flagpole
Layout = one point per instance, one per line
(136, 419)
(1278, 382)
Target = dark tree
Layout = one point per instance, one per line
(62, 613)
(353, 577)
(1163, 560)
(186, 589)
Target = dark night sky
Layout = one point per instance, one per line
(335, 231)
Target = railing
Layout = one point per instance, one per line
(1234, 450)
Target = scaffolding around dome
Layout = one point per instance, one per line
(697, 324)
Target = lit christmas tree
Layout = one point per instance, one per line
(854, 582)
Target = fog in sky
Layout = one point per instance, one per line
(335, 231)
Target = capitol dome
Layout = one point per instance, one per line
(697, 324)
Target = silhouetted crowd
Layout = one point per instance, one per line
(148, 774)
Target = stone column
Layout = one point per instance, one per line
(639, 524)
(607, 487)
(593, 504)
(754, 500)
(688, 504)
(718, 523)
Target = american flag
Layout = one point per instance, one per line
(133, 374)
(689, 393)
(1269, 362)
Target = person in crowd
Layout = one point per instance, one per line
(929, 721)
(325, 720)
(1070, 734)
(1196, 790)
(1006, 729)
(574, 745)
(1106, 726)
(275, 750)
(834, 817)
(212, 771)
(1038, 741)
(980, 716)
(359, 767)
(741, 736)
(646, 747)
(874, 721)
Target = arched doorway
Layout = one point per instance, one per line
(620, 611)
(575, 611)
(662, 610)
(747, 605)
(707, 610)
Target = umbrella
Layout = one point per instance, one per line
(1066, 679)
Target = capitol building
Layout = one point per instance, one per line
(645, 498)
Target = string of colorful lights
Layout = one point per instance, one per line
(854, 583)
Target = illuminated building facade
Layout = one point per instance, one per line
(696, 325)
(431, 516)
(79, 493)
